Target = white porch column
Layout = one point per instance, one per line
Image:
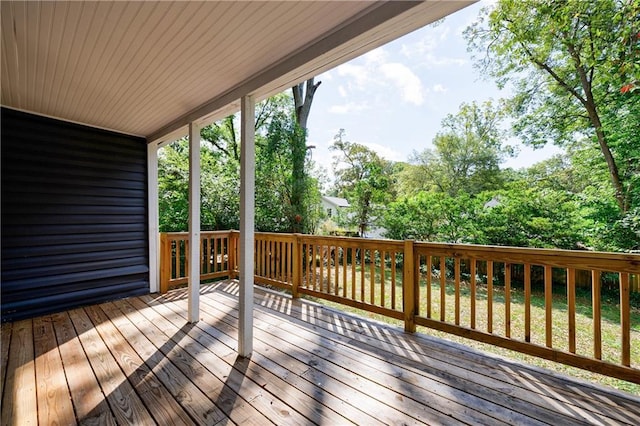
(153, 224)
(247, 210)
(194, 223)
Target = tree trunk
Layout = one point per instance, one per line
(608, 157)
(302, 99)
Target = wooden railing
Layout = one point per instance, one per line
(465, 290)
(217, 257)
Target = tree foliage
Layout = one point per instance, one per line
(363, 178)
(569, 61)
(277, 151)
(466, 157)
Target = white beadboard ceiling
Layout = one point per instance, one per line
(148, 68)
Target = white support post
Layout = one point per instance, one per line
(194, 223)
(247, 210)
(153, 224)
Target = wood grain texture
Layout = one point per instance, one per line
(310, 365)
(54, 399)
(124, 402)
(89, 402)
(19, 404)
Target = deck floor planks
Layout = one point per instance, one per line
(293, 375)
(310, 365)
(290, 369)
(405, 392)
(54, 399)
(431, 368)
(587, 412)
(180, 385)
(208, 383)
(264, 386)
(125, 404)
(350, 382)
(384, 338)
(158, 400)
(19, 404)
(89, 402)
(5, 344)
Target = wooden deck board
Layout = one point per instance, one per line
(5, 343)
(125, 404)
(54, 399)
(137, 361)
(19, 403)
(446, 370)
(353, 375)
(89, 402)
(158, 400)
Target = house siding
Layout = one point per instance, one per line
(74, 215)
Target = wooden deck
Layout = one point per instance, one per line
(137, 361)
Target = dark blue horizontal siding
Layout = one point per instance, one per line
(74, 215)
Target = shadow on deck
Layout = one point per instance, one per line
(137, 361)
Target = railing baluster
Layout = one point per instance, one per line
(507, 299)
(456, 273)
(548, 305)
(308, 248)
(472, 283)
(489, 296)
(383, 260)
(279, 261)
(362, 266)
(313, 266)
(354, 261)
(625, 319)
(291, 249)
(571, 308)
(429, 265)
(214, 256)
(527, 302)
(176, 264)
(443, 287)
(372, 276)
(393, 278)
(336, 264)
(344, 272)
(597, 328)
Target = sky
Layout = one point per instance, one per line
(394, 98)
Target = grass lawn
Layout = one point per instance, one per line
(610, 324)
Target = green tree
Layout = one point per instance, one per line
(431, 216)
(569, 61)
(525, 216)
(276, 132)
(467, 154)
(363, 178)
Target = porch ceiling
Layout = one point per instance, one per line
(148, 68)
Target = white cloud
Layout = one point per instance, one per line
(404, 79)
(372, 70)
(425, 50)
(358, 73)
(384, 151)
(348, 108)
(439, 88)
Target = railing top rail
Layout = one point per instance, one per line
(352, 241)
(619, 262)
(536, 251)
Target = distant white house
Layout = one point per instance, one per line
(332, 205)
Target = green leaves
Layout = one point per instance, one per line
(363, 178)
(569, 61)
